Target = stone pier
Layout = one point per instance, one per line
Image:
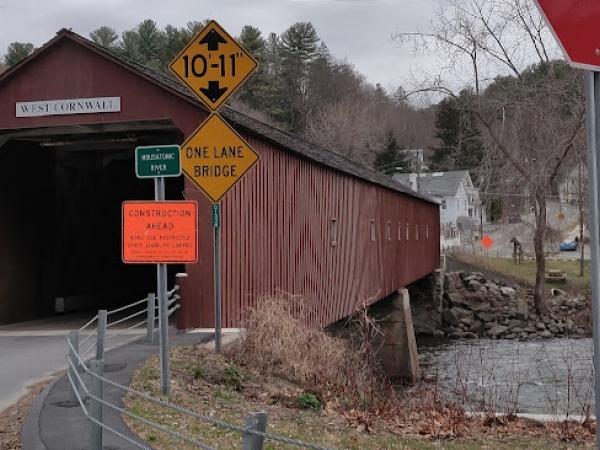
(397, 347)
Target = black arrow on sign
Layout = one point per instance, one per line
(214, 91)
(213, 39)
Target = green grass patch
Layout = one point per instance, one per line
(525, 273)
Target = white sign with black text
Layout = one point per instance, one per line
(68, 106)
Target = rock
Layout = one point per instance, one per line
(524, 335)
(497, 330)
(514, 323)
(463, 335)
(580, 331)
(553, 327)
(522, 309)
(569, 325)
(449, 318)
(438, 333)
(511, 312)
(508, 292)
(482, 307)
(557, 292)
(456, 299)
(540, 326)
(517, 330)
(473, 285)
(545, 334)
(475, 327)
(460, 313)
(474, 276)
(509, 336)
(467, 321)
(457, 334)
(490, 325)
(491, 286)
(486, 316)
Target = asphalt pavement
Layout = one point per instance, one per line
(33, 351)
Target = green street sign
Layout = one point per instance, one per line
(216, 215)
(157, 161)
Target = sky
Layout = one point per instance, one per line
(358, 31)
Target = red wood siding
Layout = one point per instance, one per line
(276, 236)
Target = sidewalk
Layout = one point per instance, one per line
(55, 423)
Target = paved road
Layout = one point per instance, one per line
(32, 351)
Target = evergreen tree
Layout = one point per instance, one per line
(298, 49)
(390, 157)
(253, 90)
(105, 36)
(17, 51)
(150, 43)
(447, 124)
(461, 143)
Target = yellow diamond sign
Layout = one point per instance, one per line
(215, 157)
(213, 65)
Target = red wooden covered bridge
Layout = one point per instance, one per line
(304, 220)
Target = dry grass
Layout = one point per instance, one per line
(279, 343)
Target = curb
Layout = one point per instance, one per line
(30, 431)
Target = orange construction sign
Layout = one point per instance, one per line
(159, 232)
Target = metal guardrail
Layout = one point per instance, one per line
(254, 431)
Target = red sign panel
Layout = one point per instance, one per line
(487, 242)
(160, 232)
(575, 25)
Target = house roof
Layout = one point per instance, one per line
(437, 184)
(290, 142)
(2, 67)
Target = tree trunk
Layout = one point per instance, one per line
(540, 256)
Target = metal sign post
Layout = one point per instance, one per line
(215, 156)
(592, 123)
(163, 317)
(216, 221)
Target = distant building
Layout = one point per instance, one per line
(460, 203)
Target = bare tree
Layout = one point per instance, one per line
(529, 106)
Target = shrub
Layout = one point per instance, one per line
(309, 401)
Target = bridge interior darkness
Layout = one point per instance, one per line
(60, 226)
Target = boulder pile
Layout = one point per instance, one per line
(477, 307)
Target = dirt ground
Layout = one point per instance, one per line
(12, 418)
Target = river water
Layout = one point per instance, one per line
(553, 376)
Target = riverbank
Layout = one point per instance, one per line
(216, 385)
(322, 389)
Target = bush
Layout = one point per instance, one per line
(309, 401)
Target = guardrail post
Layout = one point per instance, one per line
(255, 421)
(151, 317)
(73, 351)
(101, 333)
(95, 410)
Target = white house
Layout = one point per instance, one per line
(461, 211)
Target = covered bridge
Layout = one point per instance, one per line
(304, 220)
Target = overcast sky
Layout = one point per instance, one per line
(356, 30)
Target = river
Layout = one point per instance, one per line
(553, 376)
